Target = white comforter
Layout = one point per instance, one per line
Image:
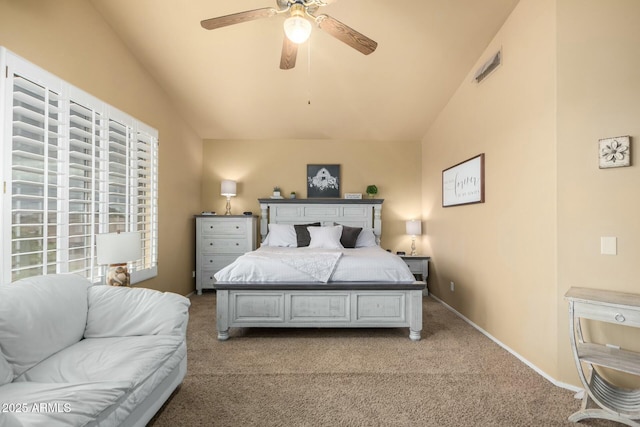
(280, 264)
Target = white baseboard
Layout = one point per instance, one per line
(522, 359)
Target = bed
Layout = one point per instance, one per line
(319, 285)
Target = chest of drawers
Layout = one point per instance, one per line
(219, 241)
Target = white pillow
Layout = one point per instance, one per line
(282, 235)
(325, 237)
(366, 238)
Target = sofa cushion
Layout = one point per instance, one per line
(6, 371)
(63, 405)
(121, 311)
(40, 316)
(140, 364)
(129, 359)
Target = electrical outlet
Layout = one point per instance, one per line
(193, 274)
(453, 286)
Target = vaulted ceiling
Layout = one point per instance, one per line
(228, 85)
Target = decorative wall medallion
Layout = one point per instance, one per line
(614, 152)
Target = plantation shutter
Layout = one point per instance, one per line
(72, 167)
(34, 178)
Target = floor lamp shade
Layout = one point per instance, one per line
(115, 250)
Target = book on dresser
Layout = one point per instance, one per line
(219, 241)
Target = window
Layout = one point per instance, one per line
(72, 167)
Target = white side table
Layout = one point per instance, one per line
(419, 266)
(603, 399)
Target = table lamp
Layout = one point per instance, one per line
(414, 228)
(228, 189)
(115, 250)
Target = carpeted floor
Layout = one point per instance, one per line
(454, 376)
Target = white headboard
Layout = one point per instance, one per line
(365, 213)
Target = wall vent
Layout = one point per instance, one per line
(488, 67)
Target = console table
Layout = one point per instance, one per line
(603, 399)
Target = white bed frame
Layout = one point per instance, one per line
(320, 305)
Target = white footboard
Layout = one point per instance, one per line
(317, 306)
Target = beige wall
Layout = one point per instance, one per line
(258, 166)
(70, 39)
(501, 254)
(598, 97)
(569, 77)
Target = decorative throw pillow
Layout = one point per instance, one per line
(303, 237)
(282, 235)
(349, 236)
(325, 237)
(366, 238)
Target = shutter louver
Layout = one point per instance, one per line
(83, 184)
(34, 179)
(146, 197)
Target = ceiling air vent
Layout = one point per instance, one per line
(488, 67)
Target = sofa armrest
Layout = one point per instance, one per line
(122, 311)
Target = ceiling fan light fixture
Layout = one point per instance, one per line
(297, 29)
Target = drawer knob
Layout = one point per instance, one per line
(619, 317)
(210, 260)
(237, 227)
(237, 244)
(210, 244)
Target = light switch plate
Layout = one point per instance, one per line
(608, 245)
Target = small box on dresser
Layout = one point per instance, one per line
(219, 241)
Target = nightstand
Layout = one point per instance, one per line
(419, 266)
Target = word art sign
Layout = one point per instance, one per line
(463, 183)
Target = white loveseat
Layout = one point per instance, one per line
(73, 354)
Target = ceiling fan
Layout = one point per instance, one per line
(297, 26)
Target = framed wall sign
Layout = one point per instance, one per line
(463, 183)
(323, 181)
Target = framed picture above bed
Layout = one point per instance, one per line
(323, 181)
(463, 183)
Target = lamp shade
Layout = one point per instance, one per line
(118, 248)
(297, 29)
(228, 188)
(414, 227)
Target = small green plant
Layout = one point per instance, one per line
(372, 190)
(276, 188)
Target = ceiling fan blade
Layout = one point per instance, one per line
(346, 34)
(289, 54)
(237, 18)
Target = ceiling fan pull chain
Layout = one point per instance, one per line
(309, 71)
